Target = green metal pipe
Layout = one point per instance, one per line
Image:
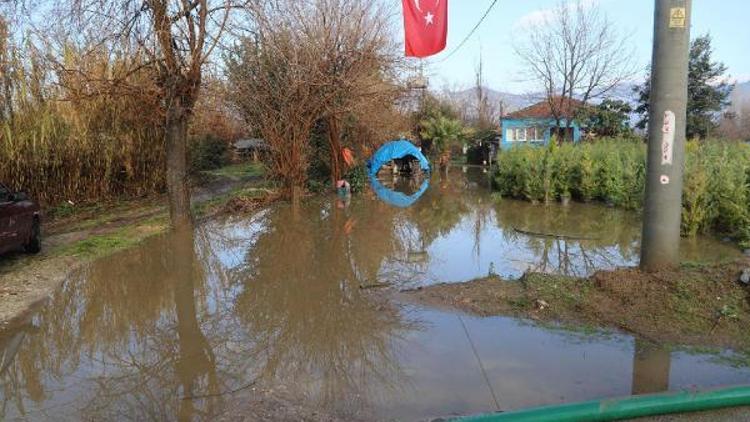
(626, 408)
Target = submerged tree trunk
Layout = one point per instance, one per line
(295, 193)
(334, 142)
(177, 170)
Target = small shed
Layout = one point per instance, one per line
(249, 148)
(396, 150)
(536, 124)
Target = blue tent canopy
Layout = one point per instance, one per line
(393, 150)
(395, 198)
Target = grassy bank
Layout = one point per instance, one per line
(697, 305)
(716, 194)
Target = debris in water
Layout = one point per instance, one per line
(375, 285)
(492, 273)
(541, 304)
(244, 204)
(553, 235)
(745, 276)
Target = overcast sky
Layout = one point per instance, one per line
(728, 21)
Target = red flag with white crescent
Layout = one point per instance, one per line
(425, 26)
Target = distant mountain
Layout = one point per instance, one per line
(511, 102)
(741, 94)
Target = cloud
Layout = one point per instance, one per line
(542, 16)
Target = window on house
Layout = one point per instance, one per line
(537, 132)
(509, 135)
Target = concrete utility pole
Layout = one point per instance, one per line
(666, 134)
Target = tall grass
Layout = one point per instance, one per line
(716, 194)
(83, 135)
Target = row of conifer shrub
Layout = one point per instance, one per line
(716, 193)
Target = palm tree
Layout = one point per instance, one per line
(443, 132)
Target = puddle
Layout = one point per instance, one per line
(180, 327)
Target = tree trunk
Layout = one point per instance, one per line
(444, 160)
(177, 172)
(334, 142)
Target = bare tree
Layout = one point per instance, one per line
(486, 111)
(575, 53)
(326, 62)
(178, 37)
(278, 81)
(359, 61)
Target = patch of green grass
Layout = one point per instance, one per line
(101, 245)
(132, 234)
(239, 171)
(556, 289)
(65, 209)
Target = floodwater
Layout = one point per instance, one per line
(180, 327)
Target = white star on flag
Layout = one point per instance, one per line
(429, 18)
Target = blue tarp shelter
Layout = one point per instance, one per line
(393, 150)
(395, 198)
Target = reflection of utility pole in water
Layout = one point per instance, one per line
(666, 134)
(651, 365)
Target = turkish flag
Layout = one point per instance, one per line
(426, 26)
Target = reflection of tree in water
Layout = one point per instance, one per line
(16, 379)
(310, 320)
(133, 322)
(159, 335)
(441, 207)
(372, 240)
(586, 237)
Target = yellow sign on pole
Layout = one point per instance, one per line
(677, 17)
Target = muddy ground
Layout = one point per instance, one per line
(274, 405)
(696, 305)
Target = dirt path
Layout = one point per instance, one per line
(71, 241)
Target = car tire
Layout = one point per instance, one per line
(35, 242)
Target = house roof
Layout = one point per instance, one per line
(543, 110)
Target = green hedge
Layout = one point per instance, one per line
(208, 153)
(716, 195)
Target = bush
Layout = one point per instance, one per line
(208, 153)
(716, 193)
(357, 178)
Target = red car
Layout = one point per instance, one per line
(20, 222)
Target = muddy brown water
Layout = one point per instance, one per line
(185, 326)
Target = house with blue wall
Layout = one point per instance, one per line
(536, 124)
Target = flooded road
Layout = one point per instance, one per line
(186, 325)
